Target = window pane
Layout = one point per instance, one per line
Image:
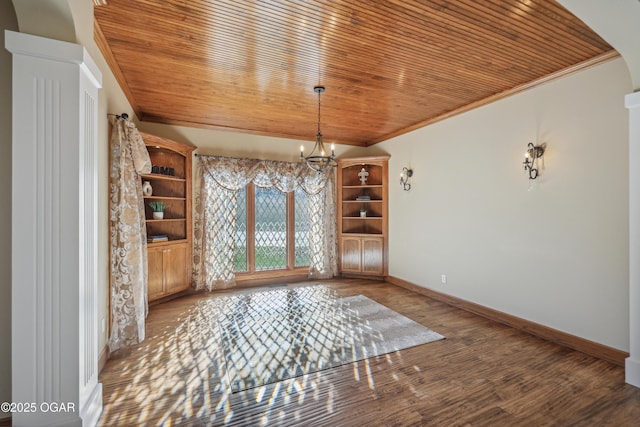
(240, 256)
(302, 227)
(271, 229)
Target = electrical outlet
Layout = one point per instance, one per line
(443, 279)
(104, 325)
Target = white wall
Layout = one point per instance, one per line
(7, 21)
(617, 23)
(469, 214)
(234, 144)
(50, 18)
(556, 255)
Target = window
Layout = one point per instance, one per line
(245, 232)
(271, 230)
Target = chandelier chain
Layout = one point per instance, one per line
(319, 92)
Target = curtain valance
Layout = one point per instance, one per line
(234, 174)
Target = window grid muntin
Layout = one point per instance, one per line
(241, 255)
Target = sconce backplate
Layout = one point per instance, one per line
(535, 151)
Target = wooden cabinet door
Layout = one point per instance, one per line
(176, 268)
(156, 273)
(372, 255)
(351, 257)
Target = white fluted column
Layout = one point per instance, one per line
(54, 223)
(632, 363)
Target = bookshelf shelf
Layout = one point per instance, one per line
(169, 242)
(157, 176)
(164, 198)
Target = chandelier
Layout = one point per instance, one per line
(318, 160)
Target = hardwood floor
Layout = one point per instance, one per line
(482, 374)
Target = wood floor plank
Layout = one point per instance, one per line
(482, 374)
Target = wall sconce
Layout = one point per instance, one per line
(405, 178)
(531, 156)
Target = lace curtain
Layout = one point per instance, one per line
(217, 182)
(128, 159)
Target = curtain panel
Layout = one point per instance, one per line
(217, 182)
(128, 159)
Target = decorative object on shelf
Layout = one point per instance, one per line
(531, 156)
(158, 209)
(318, 159)
(147, 190)
(363, 198)
(162, 170)
(405, 178)
(363, 213)
(363, 174)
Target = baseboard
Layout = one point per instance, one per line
(90, 413)
(632, 372)
(573, 342)
(102, 359)
(170, 297)
(362, 276)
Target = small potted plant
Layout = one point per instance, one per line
(363, 213)
(158, 209)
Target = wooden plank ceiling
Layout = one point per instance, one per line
(388, 66)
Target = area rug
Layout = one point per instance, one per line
(281, 333)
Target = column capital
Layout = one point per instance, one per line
(53, 50)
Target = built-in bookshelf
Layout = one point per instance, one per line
(168, 239)
(362, 215)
